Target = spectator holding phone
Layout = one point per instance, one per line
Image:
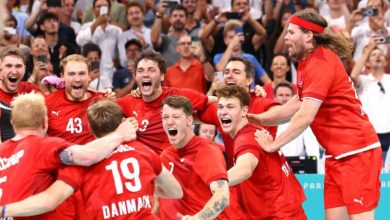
(101, 32)
(376, 26)
(373, 89)
(234, 38)
(255, 33)
(93, 53)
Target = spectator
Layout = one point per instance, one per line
(40, 71)
(166, 43)
(58, 46)
(188, 72)
(234, 38)
(39, 48)
(104, 34)
(305, 144)
(137, 30)
(280, 67)
(98, 81)
(124, 78)
(117, 14)
(65, 32)
(255, 34)
(193, 24)
(373, 90)
(66, 15)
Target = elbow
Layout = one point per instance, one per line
(178, 193)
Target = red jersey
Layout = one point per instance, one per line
(29, 166)
(256, 106)
(341, 126)
(120, 186)
(68, 119)
(6, 130)
(269, 89)
(148, 114)
(272, 191)
(195, 166)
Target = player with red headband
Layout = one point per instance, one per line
(327, 102)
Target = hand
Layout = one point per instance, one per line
(246, 15)
(221, 16)
(43, 5)
(108, 93)
(163, 6)
(265, 140)
(62, 51)
(128, 129)
(136, 93)
(259, 91)
(141, 38)
(102, 20)
(186, 217)
(236, 41)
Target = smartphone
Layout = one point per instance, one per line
(195, 40)
(239, 30)
(10, 30)
(95, 65)
(171, 3)
(103, 10)
(233, 15)
(384, 40)
(53, 3)
(369, 12)
(41, 58)
(218, 77)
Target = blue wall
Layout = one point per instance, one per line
(313, 184)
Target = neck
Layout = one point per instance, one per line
(187, 139)
(153, 97)
(51, 39)
(377, 73)
(65, 19)
(21, 133)
(137, 28)
(240, 125)
(278, 80)
(85, 96)
(185, 63)
(177, 33)
(335, 13)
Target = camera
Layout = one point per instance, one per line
(233, 15)
(384, 40)
(369, 12)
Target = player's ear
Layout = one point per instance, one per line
(244, 111)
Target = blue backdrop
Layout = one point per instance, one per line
(313, 184)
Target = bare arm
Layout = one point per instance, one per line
(220, 66)
(217, 203)
(43, 202)
(98, 149)
(243, 169)
(301, 120)
(167, 185)
(155, 34)
(358, 67)
(276, 116)
(31, 21)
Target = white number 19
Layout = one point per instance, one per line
(133, 186)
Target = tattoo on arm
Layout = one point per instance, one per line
(220, 205)
(206, 214)
(66, 157)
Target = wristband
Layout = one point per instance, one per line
(3, 211)
(158, 15)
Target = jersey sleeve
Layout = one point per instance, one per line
(198, 100)
(318, 79)
(246, 144)
(50, 151)
(123, 103)
(210, 164)
(209, 115)
(71, 175)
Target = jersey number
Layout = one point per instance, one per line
(144, 125)
(134, 183)
(74, 125)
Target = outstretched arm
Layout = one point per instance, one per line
(243, 169)
(167, 185)
(43, 202)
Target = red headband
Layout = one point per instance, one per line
(306, 24)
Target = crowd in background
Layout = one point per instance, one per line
(196, 39)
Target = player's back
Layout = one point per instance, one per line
(122, 185)
(28, 166)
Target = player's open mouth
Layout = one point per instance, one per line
(226, 121)
(77, 87)
(230, 83)
(13, 79)
(146, 84)
(172, 131)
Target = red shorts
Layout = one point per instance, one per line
(353, 181)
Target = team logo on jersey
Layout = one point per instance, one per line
(55, 113)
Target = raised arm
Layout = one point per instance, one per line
(98, 149)
(217, 203)
(358, 67)
(43, 202)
